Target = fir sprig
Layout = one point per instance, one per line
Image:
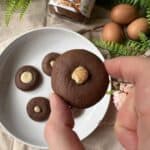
(142, 45)
(148, 14)
(115, 49)
(24, 6)
(144, 3)
(129, 48)
(15, 5)
(131, 2)
(11, 7)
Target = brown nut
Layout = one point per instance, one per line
(37, 109)
(26, 77)
(80, 75)
(52, 63)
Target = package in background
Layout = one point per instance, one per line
(77, 10)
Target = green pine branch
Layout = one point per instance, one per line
(142, 45)
(115, 49)
(148, 14)
(25, 5)
(129, 48)
(144, 3)
(11, 7)
(15, 5)
(131, 2)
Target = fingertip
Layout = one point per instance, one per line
(113, 67)
(57, 101)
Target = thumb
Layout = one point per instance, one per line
(58, 130)
(135, 70)
(60, 112)
(125, 68)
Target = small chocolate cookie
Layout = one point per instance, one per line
(80, 78)
(38, 108)
(27, 78)
(48, 62)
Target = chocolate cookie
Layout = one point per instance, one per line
(38, 108)
(48, 62)
(80, 78)
(27, 78)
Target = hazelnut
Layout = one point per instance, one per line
(37, 109)
(80, 75)
(52, 63)
(26, 77)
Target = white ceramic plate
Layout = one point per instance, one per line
(29, 49)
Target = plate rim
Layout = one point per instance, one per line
(5, 50)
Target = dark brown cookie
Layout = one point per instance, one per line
(80, 78)
(38, 108)
(27, 78)
(48, 62)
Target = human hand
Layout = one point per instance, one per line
(58, 130)
(133, 119)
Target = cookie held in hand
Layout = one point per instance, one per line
(80, 78)
(27, 78)
(38, 109)
(48, 62)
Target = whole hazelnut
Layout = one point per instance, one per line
(80, 75)
(37, 109)
(52, 63)
(26, 77)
